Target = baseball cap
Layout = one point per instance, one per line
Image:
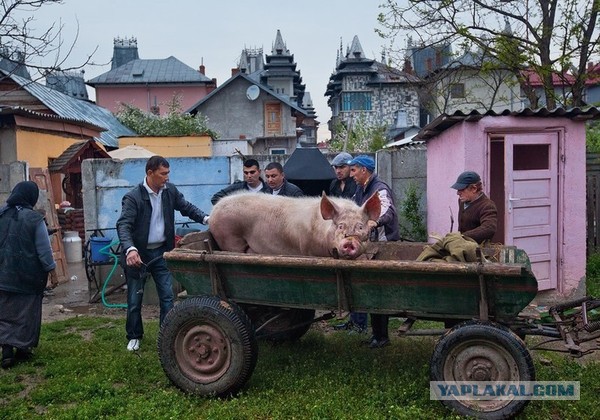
(465, 179)
(341, 159)
(365, 161)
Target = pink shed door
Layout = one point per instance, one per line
(531, 182)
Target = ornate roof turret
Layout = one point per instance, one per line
(279, 47)
(13, 62)
(124, 51)
(68, 82)
(356, 50)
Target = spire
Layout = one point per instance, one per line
(356, 50)
(279, 47)
(243, 65)
(507, 28)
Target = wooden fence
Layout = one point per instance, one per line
(593, 202)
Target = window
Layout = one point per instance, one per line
(457, 90)
(276, 151)
(528, 157)
(273, 122)
(356, 101)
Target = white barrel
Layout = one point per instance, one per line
(73, 249)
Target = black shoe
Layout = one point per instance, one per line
(377, 344)
(8, 357)
(22, 355)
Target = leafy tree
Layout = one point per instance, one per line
(21, 43)
(549, 37)
(360, 137)
(174, 123)
(592, 137)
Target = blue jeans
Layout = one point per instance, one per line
(136, 280)
(359, 319)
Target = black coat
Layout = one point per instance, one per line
(21, 270)
(287, 190)
(236, 186)
(133, 225)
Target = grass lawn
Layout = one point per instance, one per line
(82, 370)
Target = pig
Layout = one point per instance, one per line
(276, 225)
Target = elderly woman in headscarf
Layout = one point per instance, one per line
(25, 262)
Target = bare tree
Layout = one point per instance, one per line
(549, 38)
(41, 49)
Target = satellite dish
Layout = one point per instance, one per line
(252, 92)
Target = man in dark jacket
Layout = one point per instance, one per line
(344, 185)
(146, 229)
(362, 169)
(477, 214)
(252, 182)
(278, 185)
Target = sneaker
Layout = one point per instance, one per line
(377, 344)
(357, 329)
(133, 345)
(343, 326)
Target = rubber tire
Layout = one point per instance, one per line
(207, 346)
(498, 341)
(282, 329)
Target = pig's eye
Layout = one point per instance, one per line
(342, 226)
(360, 226)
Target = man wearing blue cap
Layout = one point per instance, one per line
(362, 169)
(477, 214)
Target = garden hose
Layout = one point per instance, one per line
(107, 250)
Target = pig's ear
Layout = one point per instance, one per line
(373, 206)
(328, 209)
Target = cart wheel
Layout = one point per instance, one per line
(482, 351)
(207, 346)
(279, 324)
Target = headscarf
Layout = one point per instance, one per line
(24, 194)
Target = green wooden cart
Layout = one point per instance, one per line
(208, 343)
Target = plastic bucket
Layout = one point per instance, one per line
(96, 244)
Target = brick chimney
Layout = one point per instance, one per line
(235, 71)
(202, 69)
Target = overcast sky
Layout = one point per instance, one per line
(215, 32)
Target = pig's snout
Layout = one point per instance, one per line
(350, 248)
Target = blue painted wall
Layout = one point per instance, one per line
(106, 181)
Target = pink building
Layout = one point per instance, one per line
(532, 164)
(149, 85)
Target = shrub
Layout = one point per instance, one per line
(412, 224)
(175, 123)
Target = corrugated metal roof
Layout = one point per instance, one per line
(77, 109)
(445, 121)
(168, 70)
(43, 116)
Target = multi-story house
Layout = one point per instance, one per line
(263, 108)
(150, 85)
(364, 91)
(463, 85)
